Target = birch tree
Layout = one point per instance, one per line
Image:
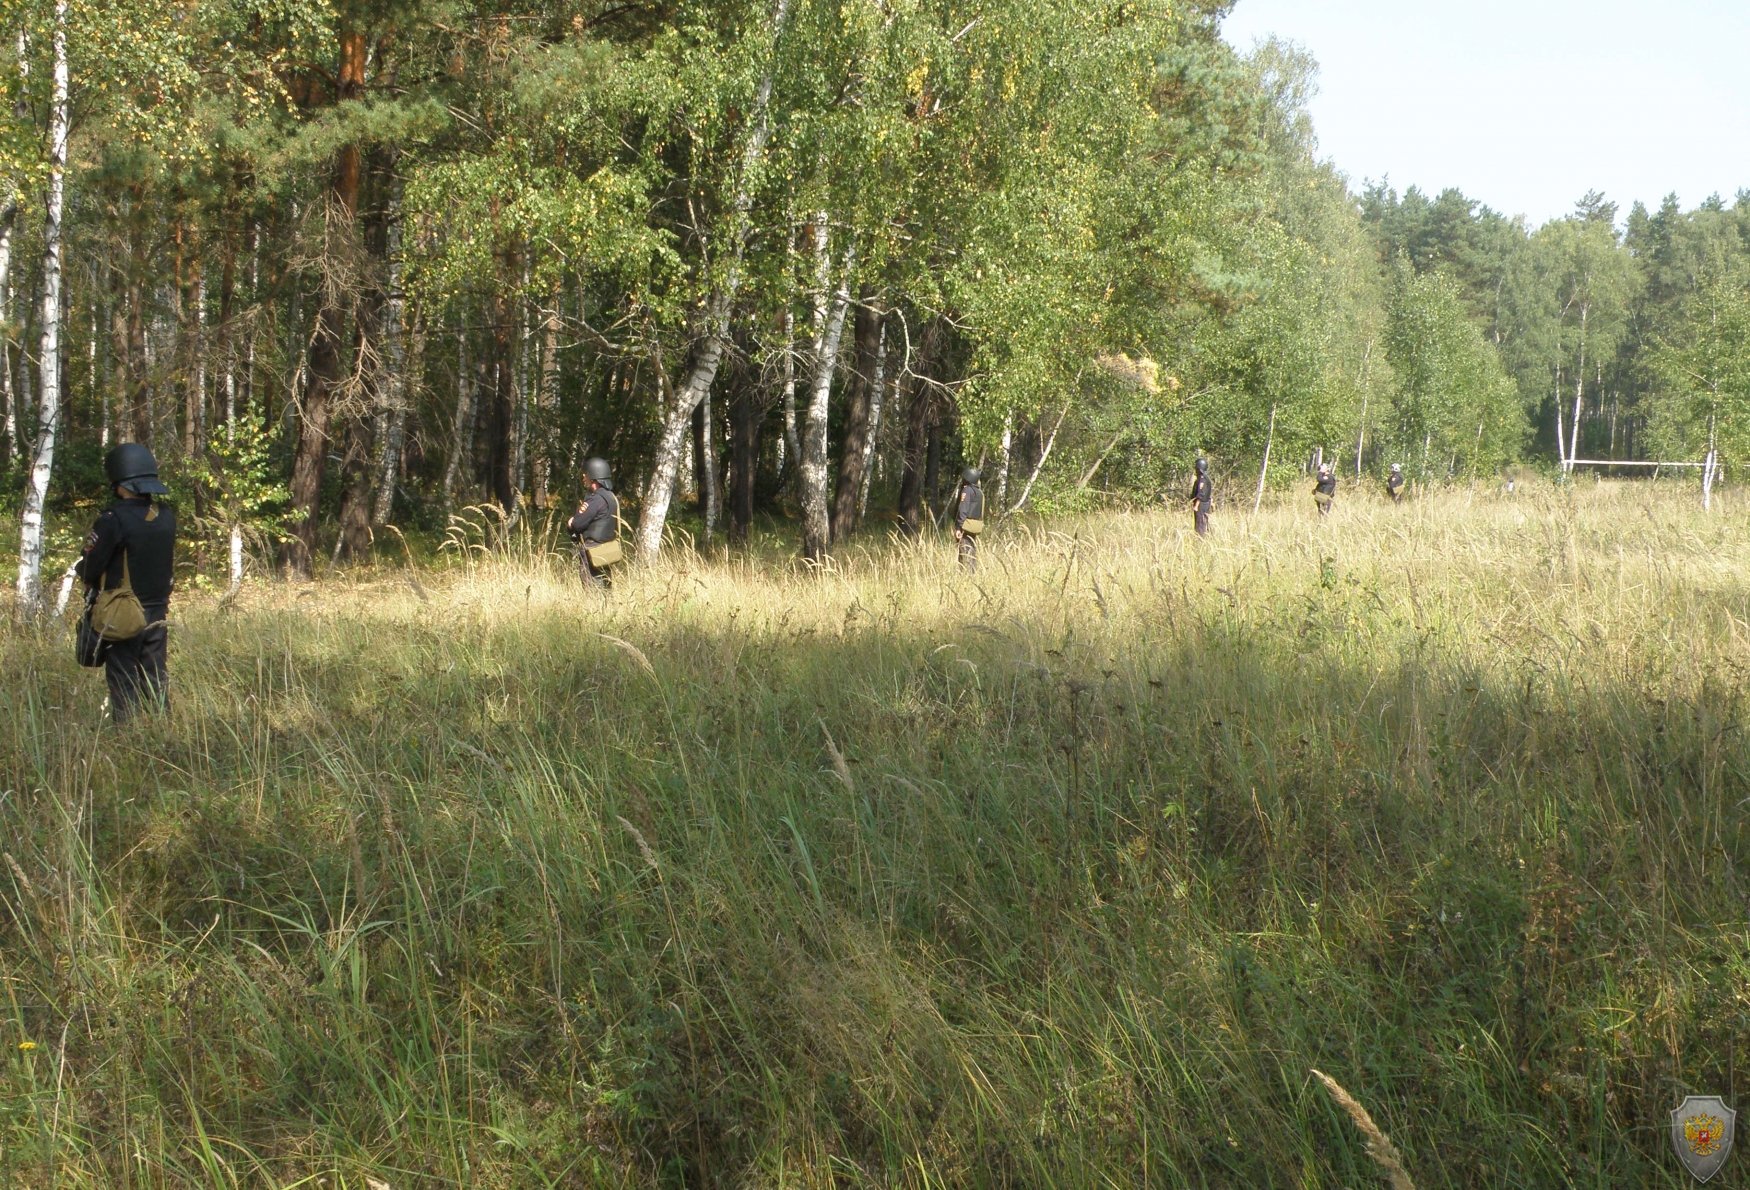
(831, 304)
(712, 325)
(30, 546)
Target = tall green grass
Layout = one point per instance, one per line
(880, 875)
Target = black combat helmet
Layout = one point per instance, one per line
(132, 466)
(1203, 466)
(598, 470)
(971, 475)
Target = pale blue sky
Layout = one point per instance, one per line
(1527, 104)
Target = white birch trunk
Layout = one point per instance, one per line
(1366, 376)
(91, 367)
(1561, 432)
(876, 400)
(395, 357)
(790, 445)
(30, 545)
(1269, 441)
(199, 420)
(829, 326)
(14, 415)
(677, 412)
(1579, 389)
(66, 593)
(255, 298)
(1008, 453)
(707, 451)
(520, 393)
(1043, 455)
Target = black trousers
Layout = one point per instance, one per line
(969, 552)
(1202, 521)
(592, 576)
(137, 671)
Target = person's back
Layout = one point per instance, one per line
(133, 545)
(969, 517)
(595, 524)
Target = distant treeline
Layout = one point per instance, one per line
(343, 265)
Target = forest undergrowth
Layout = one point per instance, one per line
(1066, 874)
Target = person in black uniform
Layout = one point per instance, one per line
(1394, 484)
(1325, 490)
(134, 543)
(597, 521)
(971, 509)
(1202, 493)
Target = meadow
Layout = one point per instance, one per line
(1068, 874)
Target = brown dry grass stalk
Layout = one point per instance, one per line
(1379, 1145)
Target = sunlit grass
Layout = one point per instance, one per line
(753, 874)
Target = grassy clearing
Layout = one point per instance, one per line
(1065, 876)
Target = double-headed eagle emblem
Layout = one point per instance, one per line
(1701, 1132)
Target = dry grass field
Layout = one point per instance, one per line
(752, 876)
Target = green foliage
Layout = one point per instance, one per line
(1703, 402)
(236, 483)
(1454, 409)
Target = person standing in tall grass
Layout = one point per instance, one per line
(1201, 497)
(132, 546)
(1325, 489)
(596, 524)
(969, 518)
(1394, 484)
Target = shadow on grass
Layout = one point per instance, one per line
(974, 906)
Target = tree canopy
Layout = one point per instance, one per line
(782, 258)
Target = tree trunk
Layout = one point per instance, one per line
(255, 299)
(911, 475)
(549, 396)
(309, 460)
(876, 402)
(222, 344)
(1579, 388)
(1007, 454)
(502, 425)
(354, 542)
(99, 392)
(138, 368)
(14, 422)
(933, 462)
(520, 396)
(920, 414)
(462, 447)
(118, 354)
(705, 466)
(30, 545)
(678, 411)
(865, 379)
(395, 377)
(746, 413)
(829, 327)
(191, 329)
(790, 445)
